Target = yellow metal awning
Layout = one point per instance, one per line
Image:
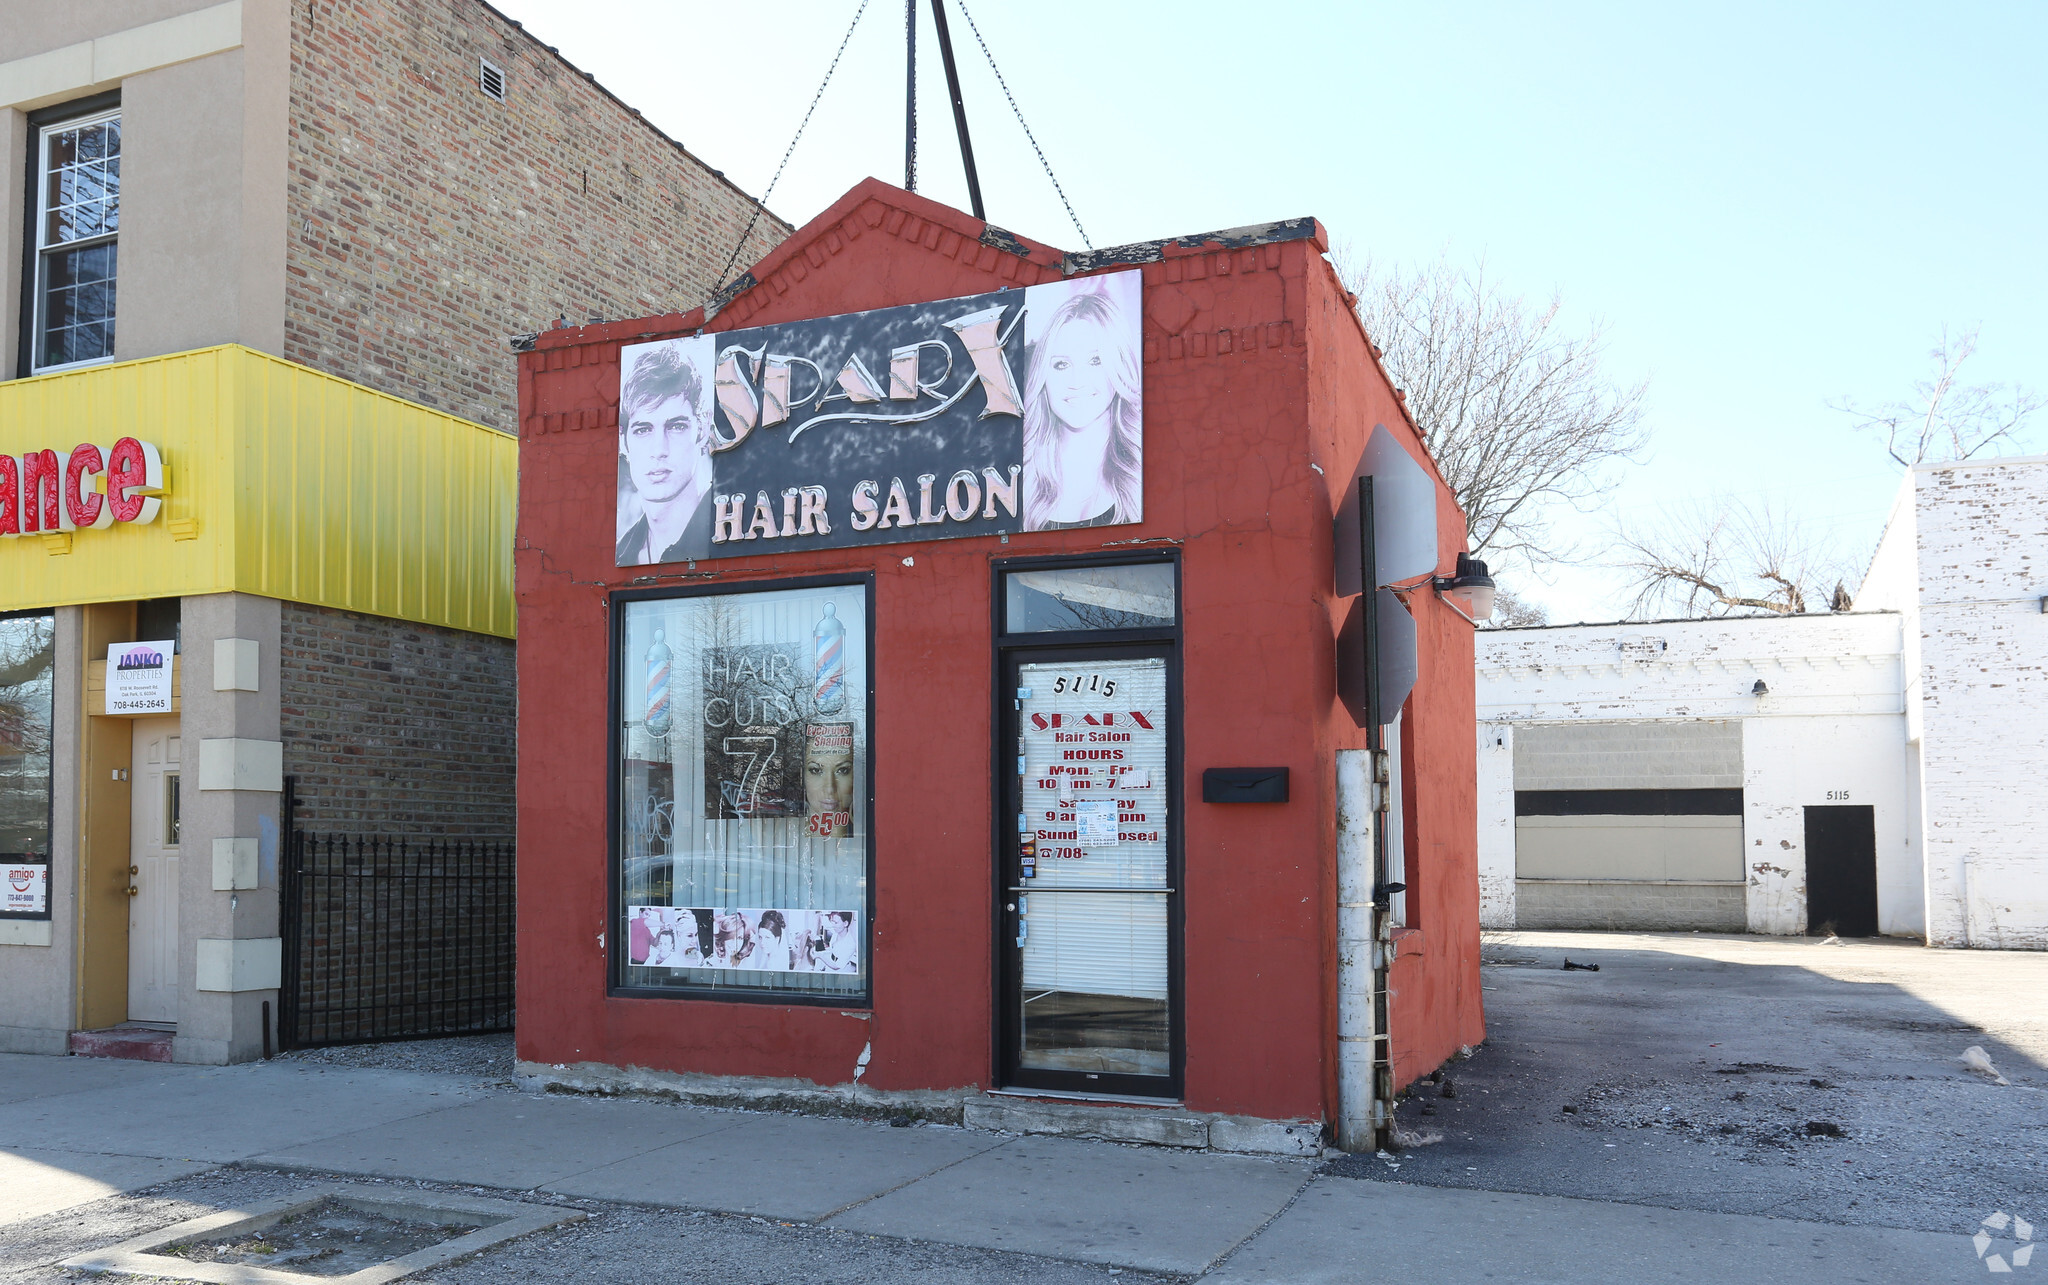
(278, 481)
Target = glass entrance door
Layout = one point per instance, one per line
(1088, 876)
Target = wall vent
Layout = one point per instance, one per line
(490, 78)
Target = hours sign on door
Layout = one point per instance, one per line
(1091, 757)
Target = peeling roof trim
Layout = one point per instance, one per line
(1005, 240)
(958, 221)
(730, 291)
(1251, 234)
(1745, 618)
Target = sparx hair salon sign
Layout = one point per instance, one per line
(1020, 410)
(88, 486)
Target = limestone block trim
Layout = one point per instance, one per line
(234, 864)
(234, 763)
(240, 964)
(25, 932)
(234, 665)
(56, 74)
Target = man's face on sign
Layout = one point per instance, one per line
(665, 448)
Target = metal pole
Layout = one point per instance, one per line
(910, 96)
(1382, 901)
(290, 912)
(959, 108)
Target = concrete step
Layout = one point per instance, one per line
(1158, 1126)
(136, 1043)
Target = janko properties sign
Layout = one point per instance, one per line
(1020, 410)
(139, 677)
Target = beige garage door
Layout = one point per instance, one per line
(1629, 826)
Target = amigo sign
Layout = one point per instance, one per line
(43, 492)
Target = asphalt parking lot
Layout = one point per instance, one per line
(1775, 1076)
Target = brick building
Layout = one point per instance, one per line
(265, 257)
(1864, 773)
(969, 770)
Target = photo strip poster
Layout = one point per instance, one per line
(757, 940)
(1018, 410)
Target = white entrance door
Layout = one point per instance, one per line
(153, 878)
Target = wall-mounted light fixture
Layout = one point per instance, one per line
(1470, 590)
(1762, 688)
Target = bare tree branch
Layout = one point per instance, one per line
(1513, 612)
(1731, 559)
(1946, 419)
(1515, 411)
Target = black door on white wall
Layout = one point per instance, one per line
(1841, 870)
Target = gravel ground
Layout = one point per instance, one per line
(1783, 1078)
(619, 1243)
(486, 1057)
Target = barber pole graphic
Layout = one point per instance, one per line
(657, 687)
(830, 641)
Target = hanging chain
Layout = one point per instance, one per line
(910, 94)
(762, 204)
(1015, 110)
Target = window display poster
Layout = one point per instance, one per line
(753, 730)
(25, 890)
(1017, 410)
(139, 677)
(760, 940)
(743, 816)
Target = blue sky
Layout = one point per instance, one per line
(1769, 205)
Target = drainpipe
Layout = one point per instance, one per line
(1969, 938)
(1382, 953)
(1360, 979)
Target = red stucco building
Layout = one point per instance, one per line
(866, 787)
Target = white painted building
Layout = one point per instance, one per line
(1877, 771)
(1964, 561)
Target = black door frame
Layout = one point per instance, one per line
(1006, 790)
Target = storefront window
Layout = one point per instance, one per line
(743, 792)
(28, 678)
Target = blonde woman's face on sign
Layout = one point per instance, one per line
(1077, 383)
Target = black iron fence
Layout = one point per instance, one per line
(388, 938)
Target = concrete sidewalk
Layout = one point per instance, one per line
(75, 1130)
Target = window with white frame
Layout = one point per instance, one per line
(77, 221)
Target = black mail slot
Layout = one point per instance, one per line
(1244, 785)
